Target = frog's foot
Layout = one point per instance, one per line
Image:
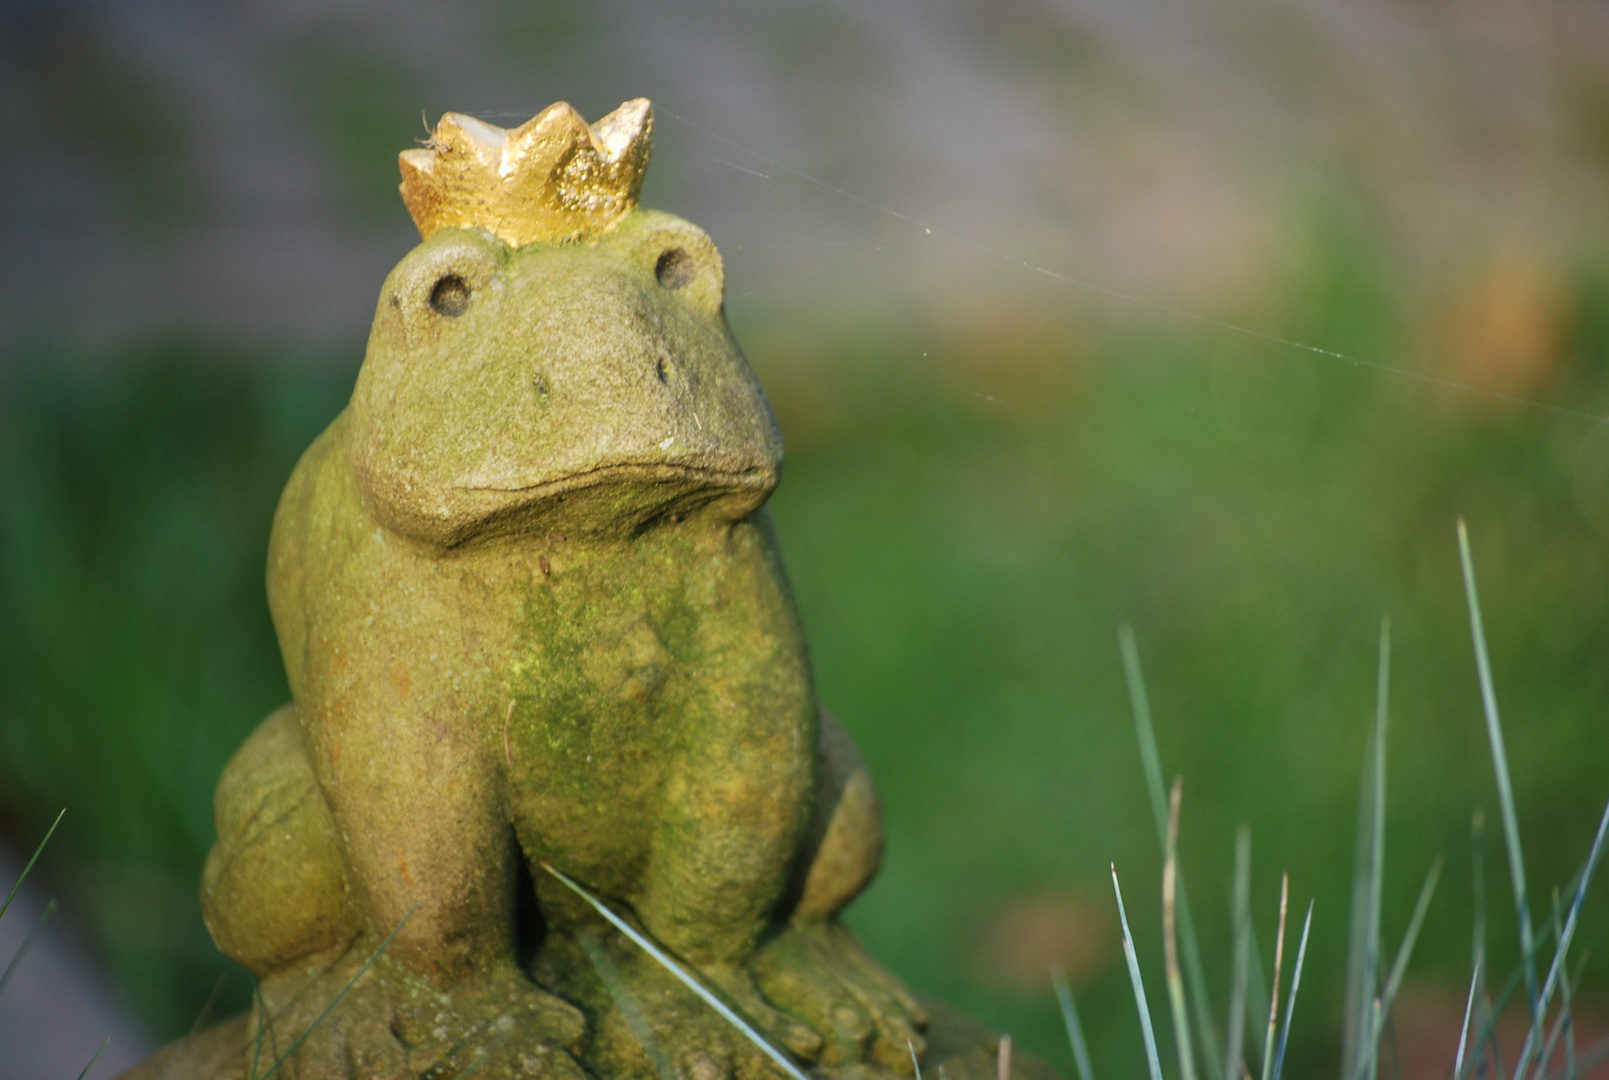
(648, 1025)
(819, 974)
(335, 1021)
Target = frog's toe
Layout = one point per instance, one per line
(800, 1039)
(501, 1023)
(820, 975)
(820, 1001)
(873, 974)
(373, 1053)
(704, 1064)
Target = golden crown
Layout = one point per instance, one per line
(552, 179)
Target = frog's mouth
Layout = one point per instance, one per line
(621, 497)
(713, 473)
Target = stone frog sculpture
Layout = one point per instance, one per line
(532, 612)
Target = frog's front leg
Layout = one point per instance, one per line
(431, 861)
(734, 810)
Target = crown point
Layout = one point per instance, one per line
(628, 126)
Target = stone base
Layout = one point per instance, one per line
(958, 1048)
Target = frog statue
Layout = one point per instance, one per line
(533, 616)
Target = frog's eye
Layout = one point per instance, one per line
(450, 295)
(675, 268)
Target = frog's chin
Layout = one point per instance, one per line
(612, 500)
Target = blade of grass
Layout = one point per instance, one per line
(624, 1000)
(1487, 1042)
(27, 943)
(1550, 1045)
(336, 1000)
(1357, 954)
(1140, 702)
(1377, 842)
(1478, 934)
(1372, 1061)
(1569, 1020)
(1463, 1032)
(682, 976)
(1151, 1058)
(1363, 961)
(1565, 936)
(1560, 1024)
(1380, 1008)
(195, 1026)
(1075, 1030)
(1151, 760)
(12, 895)
(1279, 958)
(95, 1057)
(1399, 966)
(1564, 990)
(1590, 1059)
(1235, 1028)
(262, 1024)
(916, 1066)
(445, 1067)
(1505, 788)
(1296, 982)
(1257, 996)
(1170, 936)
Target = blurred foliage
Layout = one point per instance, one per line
(135, 650)
(971, 507)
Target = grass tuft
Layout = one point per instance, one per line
(1371, 988)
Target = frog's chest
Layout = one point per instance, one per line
(610, 684)
(604, 693)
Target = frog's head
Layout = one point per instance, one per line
(534, 365)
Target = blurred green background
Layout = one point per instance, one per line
(989, 468)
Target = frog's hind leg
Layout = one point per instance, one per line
(274, 889)
(844, 845)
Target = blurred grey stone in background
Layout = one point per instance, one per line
(56, 1010)
(194, 168)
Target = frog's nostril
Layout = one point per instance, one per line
(659, 369)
